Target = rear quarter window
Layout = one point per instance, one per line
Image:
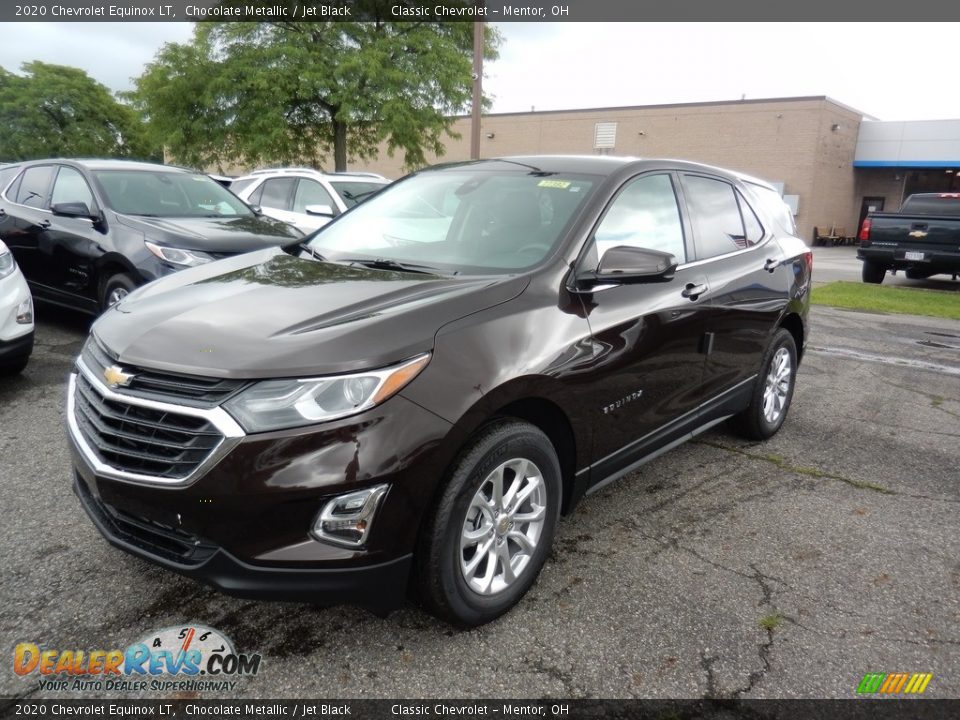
(945, 204)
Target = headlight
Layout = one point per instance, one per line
(7, 264)
(276, 404)
(178, 256)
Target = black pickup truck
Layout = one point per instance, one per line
(923, 238)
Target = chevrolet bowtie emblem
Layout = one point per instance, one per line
(918, 233)
(116, 377)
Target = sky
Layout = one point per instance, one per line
(554, 66)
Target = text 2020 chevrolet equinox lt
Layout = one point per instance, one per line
(414, 396)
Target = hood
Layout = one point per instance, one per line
(268, 314)
(227, 235)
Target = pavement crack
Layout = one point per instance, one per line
(784, 464)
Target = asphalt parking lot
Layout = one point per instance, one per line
(722, 569)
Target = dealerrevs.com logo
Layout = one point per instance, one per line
(191, 658)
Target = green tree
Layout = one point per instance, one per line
(295, 92)
(58, 111)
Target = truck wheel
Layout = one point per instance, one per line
(115, 289)
(491, 529)
(873, 272)
(773, 390)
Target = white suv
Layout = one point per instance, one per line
(16, 316)
(303, 197)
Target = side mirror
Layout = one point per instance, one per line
(322, 210)
(73, 209)
(623, 264)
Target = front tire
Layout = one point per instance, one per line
(773, 391)
(115, 289)
(492, 527)
(873, 272)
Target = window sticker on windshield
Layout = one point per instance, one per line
(560, 184)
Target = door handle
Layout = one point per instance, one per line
(770, 265)
(694, 290)
(44, 224)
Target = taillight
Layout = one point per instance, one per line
(864, 236)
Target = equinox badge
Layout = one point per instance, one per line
(116, 377)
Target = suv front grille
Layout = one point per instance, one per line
(142, 440)
(191, 390)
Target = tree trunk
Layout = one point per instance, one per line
(339, 146)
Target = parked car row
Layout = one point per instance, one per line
(413, 395)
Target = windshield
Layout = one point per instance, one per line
(470, 220)
(163, 193)
(353, 193)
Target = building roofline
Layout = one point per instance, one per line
(710, 103)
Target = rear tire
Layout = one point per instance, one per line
(481, 549)
(115, 289)
(873, 272)
(773, 390)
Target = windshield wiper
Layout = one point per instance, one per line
(314, 253)
(387, 264)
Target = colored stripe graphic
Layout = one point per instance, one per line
(894, 683)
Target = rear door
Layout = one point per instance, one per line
(749, 282)
(646, 383)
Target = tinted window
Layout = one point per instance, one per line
(356, 192)
(34, 186)
(945, 204)
(70, 187)
(255, 196)
(751, 224)
(644, 215)
(715, 216)
(310, 192)
(276, 193)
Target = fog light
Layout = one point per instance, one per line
(346, 520)
(25, 312)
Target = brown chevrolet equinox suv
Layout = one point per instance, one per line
(410, 398)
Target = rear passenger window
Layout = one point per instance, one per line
(715, 216)
(644, 215)
(34, 186)
(752, 226)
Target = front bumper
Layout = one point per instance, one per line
(13, 351)
(379, 587)
(243, 525)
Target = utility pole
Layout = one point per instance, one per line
(477, 87)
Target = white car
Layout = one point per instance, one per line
(16, 316)
(306, 198)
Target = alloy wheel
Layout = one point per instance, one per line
(777, 386)
(503, 525)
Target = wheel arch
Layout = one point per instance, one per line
(792, 323)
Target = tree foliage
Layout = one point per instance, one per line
(59, 111)
(297, 92)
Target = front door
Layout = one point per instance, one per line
(647, 336)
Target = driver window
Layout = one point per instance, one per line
(643, 215)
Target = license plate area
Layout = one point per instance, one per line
(913, 255)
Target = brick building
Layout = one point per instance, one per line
(829, 161)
